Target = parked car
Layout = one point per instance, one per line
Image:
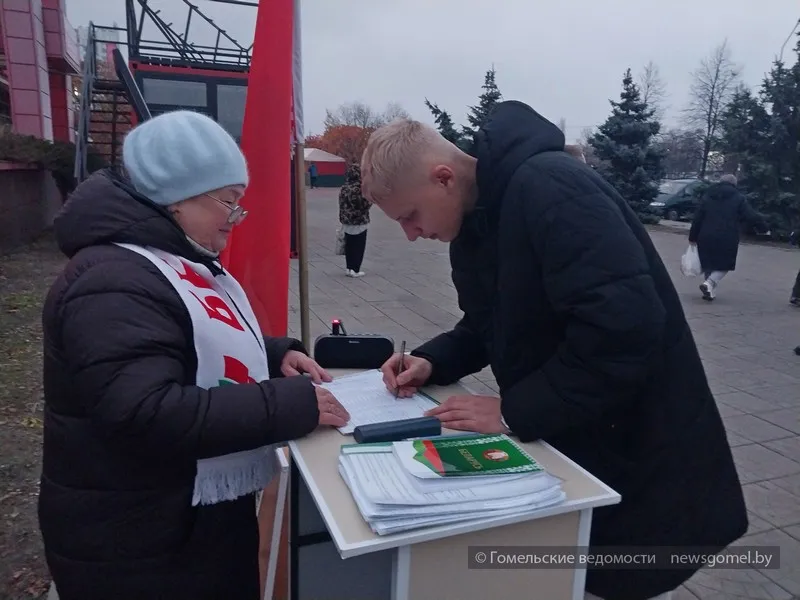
(677, 199)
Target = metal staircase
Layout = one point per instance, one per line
(105, 114)
(109, 95)
(172, 48)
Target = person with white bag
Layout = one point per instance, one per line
(690, 262)
(715, 231)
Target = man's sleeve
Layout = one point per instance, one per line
(454, 354)
(128, 356)
(596, 277)
(697, 223)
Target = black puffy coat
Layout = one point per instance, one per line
(567, 299)
(124, 423)
(716, 226)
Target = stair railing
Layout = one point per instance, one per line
(82, 144)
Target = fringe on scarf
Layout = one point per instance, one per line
(235, 475)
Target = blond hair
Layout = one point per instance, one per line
(395, 151)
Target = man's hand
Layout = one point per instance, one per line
(416, 372)
(331, 412)
(479, 414)
(296, 363)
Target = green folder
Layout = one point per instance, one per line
(453, 456)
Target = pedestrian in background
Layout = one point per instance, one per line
(312, 175)
(354, 217)
(715, 231)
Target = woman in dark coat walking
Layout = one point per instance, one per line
(715, 231)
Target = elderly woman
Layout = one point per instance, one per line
(715, 231)
(163, 399)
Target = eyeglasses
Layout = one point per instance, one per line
(237, 212)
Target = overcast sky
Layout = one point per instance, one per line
(566, 59)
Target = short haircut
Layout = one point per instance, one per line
(396, 150)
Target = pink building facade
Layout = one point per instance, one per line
(39, 56)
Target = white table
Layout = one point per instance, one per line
(334, 555)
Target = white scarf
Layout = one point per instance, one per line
(229, 350)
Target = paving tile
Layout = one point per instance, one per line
(793, 531)
(756, 463)
(748, 403)
(728, 411)
(478, 387)
(772, 503)
(757, 430)
(788, 418)
(735, 584)
(788, 447)
(757, 524)
(791, 484)
(737, 440)
(683, 593)
(787, 574)
(781, 396)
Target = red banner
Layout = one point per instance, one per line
(258, 250)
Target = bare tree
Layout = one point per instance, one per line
(713, 84)
(653, 89)
(358, 114)
(394, 111)
(683, 152)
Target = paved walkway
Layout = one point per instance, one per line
(746, 338)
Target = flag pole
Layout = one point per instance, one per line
(300, 177)
(302, 242)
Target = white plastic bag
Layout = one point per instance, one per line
(339, 248)
(690, 262)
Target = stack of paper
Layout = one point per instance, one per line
(400, 486)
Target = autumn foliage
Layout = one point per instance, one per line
(347, 141)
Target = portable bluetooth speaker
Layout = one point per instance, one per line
(340, 350)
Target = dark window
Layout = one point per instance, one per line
(175, 93)
(230, 108)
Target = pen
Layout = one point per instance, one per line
(400, 366)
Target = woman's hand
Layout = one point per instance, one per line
(331, 412)
(297, 363)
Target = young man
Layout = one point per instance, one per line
(567, 299)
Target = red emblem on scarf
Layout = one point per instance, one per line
(235, 371)
(215, 307)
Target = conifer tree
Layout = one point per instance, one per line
(630, 160)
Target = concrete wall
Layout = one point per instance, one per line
(29, 200)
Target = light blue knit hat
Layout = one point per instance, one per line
(182, 154)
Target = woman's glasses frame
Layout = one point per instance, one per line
(238, 213)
